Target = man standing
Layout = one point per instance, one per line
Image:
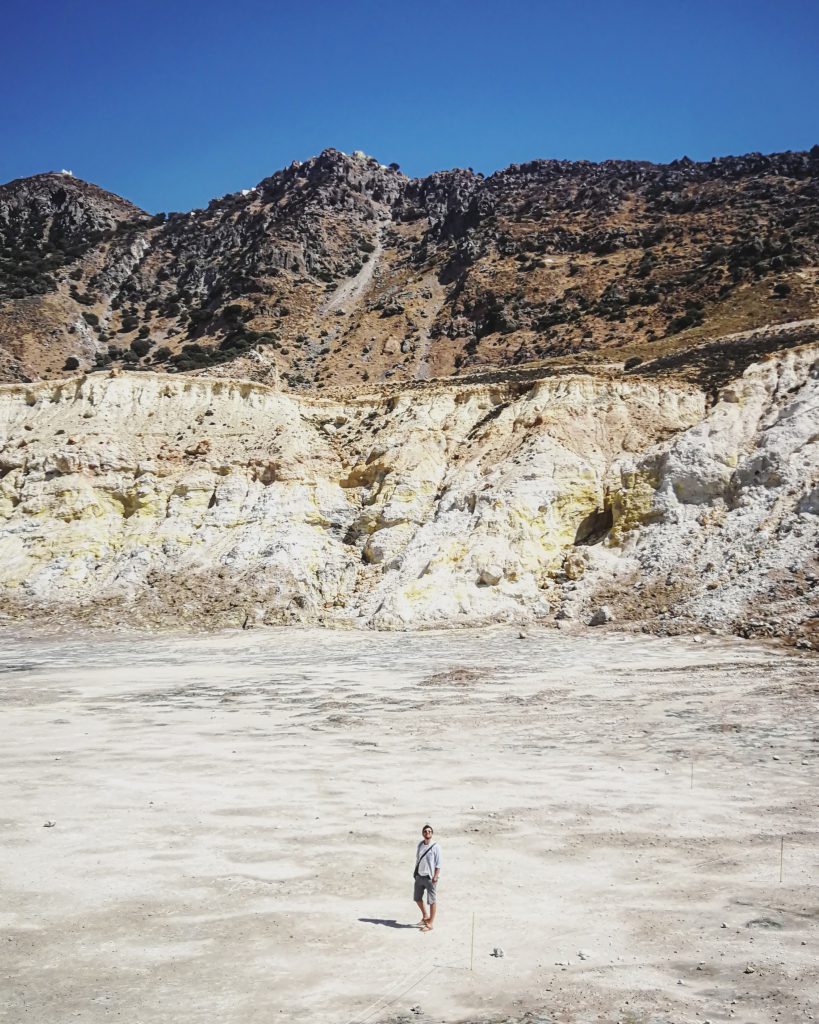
(426, 874)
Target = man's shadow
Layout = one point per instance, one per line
(387, 924)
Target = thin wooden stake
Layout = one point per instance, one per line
(472, 949)
(692, 773)
(781, 857)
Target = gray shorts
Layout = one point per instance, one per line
(424, 884)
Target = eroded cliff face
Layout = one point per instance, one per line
(147, 499)
(721, 525)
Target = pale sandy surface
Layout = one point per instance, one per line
(236, 817)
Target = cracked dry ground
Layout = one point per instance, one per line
(235, 818)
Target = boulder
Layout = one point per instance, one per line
(490, 575)
(601, 616)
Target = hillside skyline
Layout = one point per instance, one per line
(341, 270)
(174, 104)
(614, 161)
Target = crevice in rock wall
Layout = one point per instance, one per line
(594, 528)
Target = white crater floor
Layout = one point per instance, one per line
(234, 821)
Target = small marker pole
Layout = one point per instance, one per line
(472, 948)
(692, 773)
(781, 857)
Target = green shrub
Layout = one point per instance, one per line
(692, 318)
(141, 346)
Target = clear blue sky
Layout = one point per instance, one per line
(172, 102)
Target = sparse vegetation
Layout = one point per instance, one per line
(551, 261)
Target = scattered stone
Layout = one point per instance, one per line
(574, 565)
(490, 575)
(497, 952)
(200, 448)
(49, 824)
(601, 616)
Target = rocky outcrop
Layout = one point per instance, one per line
(49, 220)
(144, 498)
(720, 525)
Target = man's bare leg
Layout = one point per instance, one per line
(420, 905)
(431, 919)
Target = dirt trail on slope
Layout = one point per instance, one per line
(348, 291)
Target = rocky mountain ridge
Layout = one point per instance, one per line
(342, 271)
